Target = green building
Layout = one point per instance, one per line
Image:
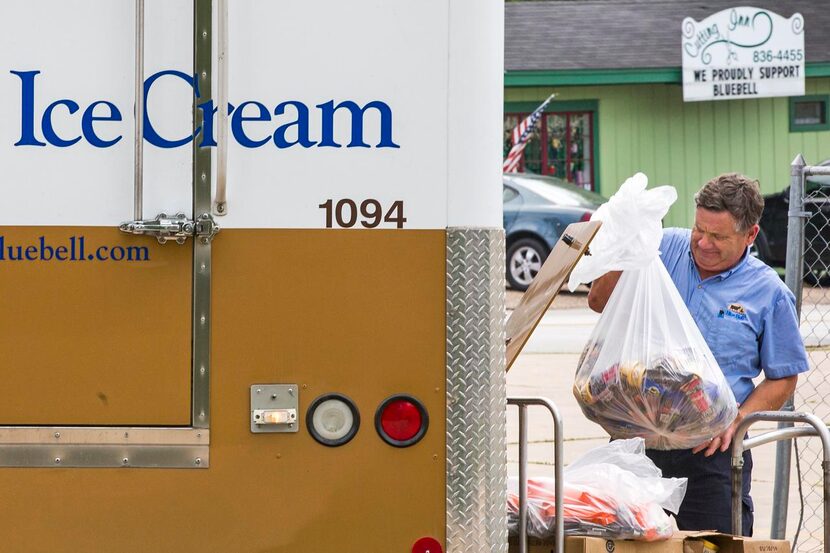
(615, 66)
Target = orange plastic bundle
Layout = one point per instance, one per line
(602, 497)
(580, 503)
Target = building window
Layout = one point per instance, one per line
(562, 145)
(809, 113)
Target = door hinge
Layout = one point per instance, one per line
(174, 227)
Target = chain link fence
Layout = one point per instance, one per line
(808, 275)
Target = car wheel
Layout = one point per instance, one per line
(524, 261)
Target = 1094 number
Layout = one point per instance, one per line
(370, 213)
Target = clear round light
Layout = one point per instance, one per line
(332, 419)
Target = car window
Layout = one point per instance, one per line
(509, 194)
(563, 194)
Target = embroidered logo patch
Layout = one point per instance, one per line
(737, 308)
(735, 311)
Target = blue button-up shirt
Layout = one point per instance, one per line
(746, 315)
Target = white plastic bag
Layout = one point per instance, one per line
(631, 230)
(613, 491)
(646, 371)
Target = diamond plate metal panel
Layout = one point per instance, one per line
(476, 392)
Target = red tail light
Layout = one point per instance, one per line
(427, 545)
(401, 421)
(585, 217)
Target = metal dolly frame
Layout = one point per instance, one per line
(816, 428)
(558, 463)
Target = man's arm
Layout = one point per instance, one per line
(601, 290)
(768, 396)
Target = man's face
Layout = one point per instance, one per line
(716, 245)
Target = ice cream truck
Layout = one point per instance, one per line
(251, 276)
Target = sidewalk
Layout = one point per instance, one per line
(546, 368)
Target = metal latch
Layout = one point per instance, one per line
(573, 243)
(174, 227)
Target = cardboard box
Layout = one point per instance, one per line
(680, 542)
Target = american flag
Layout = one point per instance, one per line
(521, 134)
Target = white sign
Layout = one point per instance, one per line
(743, 52)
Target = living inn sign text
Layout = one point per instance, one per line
(743, 52)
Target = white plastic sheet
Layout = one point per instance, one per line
(613, 491)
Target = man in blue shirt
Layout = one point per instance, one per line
(747, 317)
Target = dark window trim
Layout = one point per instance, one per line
(555, 106)
(559, 106)
(810, 98)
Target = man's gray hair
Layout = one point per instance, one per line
(735, 193)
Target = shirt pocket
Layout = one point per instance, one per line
(732, 341)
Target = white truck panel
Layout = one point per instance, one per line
(308, 132)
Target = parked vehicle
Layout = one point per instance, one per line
(536, 211)
(771, 244)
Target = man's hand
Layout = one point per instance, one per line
(601, 290)
(721, 441)
(768, 396)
